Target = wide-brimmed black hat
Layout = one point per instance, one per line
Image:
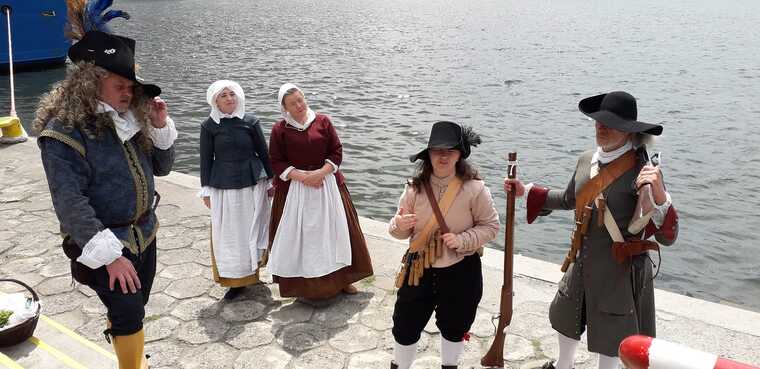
(449, 135)
(617, 110)
(113, 53)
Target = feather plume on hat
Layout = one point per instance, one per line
(88, 15)
(470, 137)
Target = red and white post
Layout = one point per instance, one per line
(642, 352)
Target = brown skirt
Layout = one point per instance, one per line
(331, 284)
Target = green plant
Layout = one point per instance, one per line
(4, 315)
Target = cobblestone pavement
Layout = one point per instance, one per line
(189, 325)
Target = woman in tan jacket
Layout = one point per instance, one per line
(442, 270)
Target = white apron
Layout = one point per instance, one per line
(312, 238)
(239, 229)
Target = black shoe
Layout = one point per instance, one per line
(394, 365)
(448, 367)
(548, 365)
(233, 292)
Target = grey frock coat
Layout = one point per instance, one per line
(612, 300)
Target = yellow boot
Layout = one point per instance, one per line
(130, 351)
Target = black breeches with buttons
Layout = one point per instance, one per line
(453, 293)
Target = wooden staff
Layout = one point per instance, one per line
(495, 355)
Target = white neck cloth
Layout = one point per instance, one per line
(605, 157)
(126, 124)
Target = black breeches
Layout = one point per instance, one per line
(126, 311)
(453, 293)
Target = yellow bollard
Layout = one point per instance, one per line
(12, 130)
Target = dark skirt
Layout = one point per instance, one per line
(331, 284)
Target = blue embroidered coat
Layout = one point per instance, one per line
(102, 183)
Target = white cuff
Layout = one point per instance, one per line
(102, 249)
(661, 211)
(284, 175)
(205, 191)
(163, 138)
(335, 167)
(270, 183)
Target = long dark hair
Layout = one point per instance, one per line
(424, 170)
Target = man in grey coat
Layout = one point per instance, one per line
(607, 288)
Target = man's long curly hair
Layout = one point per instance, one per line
(74, 102)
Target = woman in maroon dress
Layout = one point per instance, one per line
(317, 248)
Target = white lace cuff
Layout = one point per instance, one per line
(102, 249)
(335, 167)
(163, 138)
(284, 175)
(662, 210)
(205, 191)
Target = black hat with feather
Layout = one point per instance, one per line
(449, 135)
(94, 42)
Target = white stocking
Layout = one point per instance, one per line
(608, 362)
(567, 347)
(450, 351)
(403, 356)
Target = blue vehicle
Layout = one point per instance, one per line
(37, 29)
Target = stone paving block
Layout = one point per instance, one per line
(338, 314)
(531, 326)
(213, 356)
(159, 329)
(538, 307)
(61, 303)
(320, 358)
(159, 304)
(86, 290)
(165, 353)
(186, 288)
(93, 306)
(93, 330)
(202, 331)
(71, 319)
(427, 362)
(242, 311)
(269, 357)
(294, 312)
(179, 256)
(27, 265)
(250, 335)
(31, 279)
(183, 271)
(379, 318)
(423, 345)
(159, 285)
(56, 268)
(516, 348)
(171, 242)
(54, 286)
(355, 338)
(371, 359)
(483, 326)
(302, 337)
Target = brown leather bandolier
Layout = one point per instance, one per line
(417, 261)
(623, 251)
(585, 198)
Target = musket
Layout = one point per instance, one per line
(495, 355)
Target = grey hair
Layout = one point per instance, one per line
(642, 139)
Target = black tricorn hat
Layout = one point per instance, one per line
(113, 53)
(617, 110)
(449, 135)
